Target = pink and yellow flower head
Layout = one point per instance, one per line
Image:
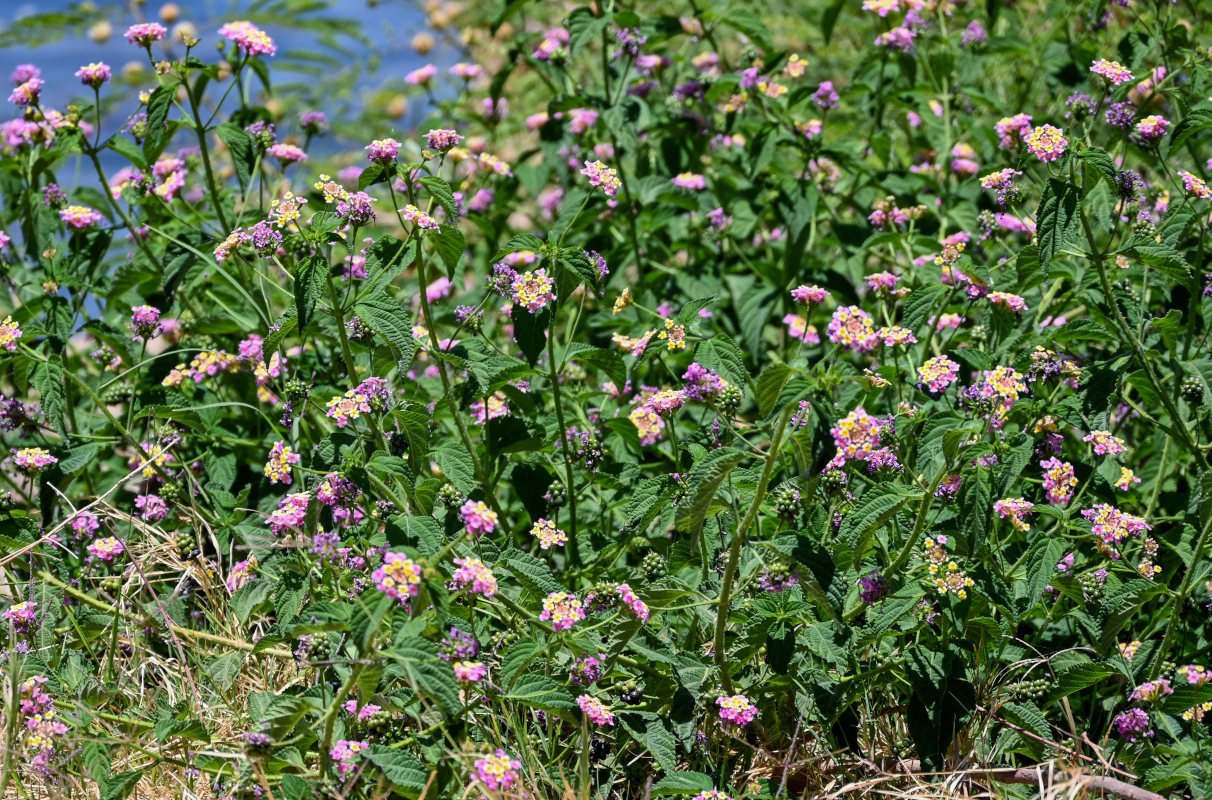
(473, 574)
(1112, 71)
(497, 771)
(399, 577)
(736, 710)
(853, 328)
(1105, 444)
(1046, 142)
(248, 38)
(470, 671)
(10, 332)
(548, 534)
(563, 610)
(1015, 509)
(595, 710)
(477, 517)
(938, 373)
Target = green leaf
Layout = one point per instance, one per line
(679, 783)
(282, 327)
(403, 769)
(1101, 164)
(430, 676)
(249, 596)
(243, 154)
(583, 27)
(441, 192)
(423, 533)
(532, 573)
(185, 728)
(651, 731)
(47, 378)
(770, 385)
(295, 787)
(457, 466)
(1193, 123)
(608, 361)
(1078, 677)
(877, 505)
(450, 245)
(975, 502)
(128, 150)
(1058, 218)
(521, 241)
(1170, 327)
(647, 500)
(78, 458)
(516, 659)
(389, 319)
(224, 669)
(1045, 553)
(310, 279)
(1165, 259)
(375, 173)
(530, 330)
(119, 787)
(158, 106)
(720, 353)
(387, 258)
(539, 691)
(705, 479)
(1027, 715)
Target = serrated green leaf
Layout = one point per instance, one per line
(389, 319)
(310, 278)
(431, 677)
(403, 769)
(705, 479)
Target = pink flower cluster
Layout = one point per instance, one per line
(853, 328)
(809, 294)
(1046, 142)
(399, 577)
(632, 601)
(106, 549)
(94, 74)
(277, 466)
(497, 770)
(346, 753)
(470, 671)
(32, 459)
(737, 710)
(1015, 509)
(248, 38)
(857, 436)
(603, 176)
(419, 218)
(1059, 481)
(290, 514)
(563, 610)
(473, 573)
(442, 139)
(1112, 525)
(1105, 444)
(1112, 71)
(548, 534)
(533, 290)
(938, 373)
(595, 710)
(478, 517)
(145, 33)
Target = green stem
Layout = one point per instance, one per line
(734, 552)
(573, 551)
